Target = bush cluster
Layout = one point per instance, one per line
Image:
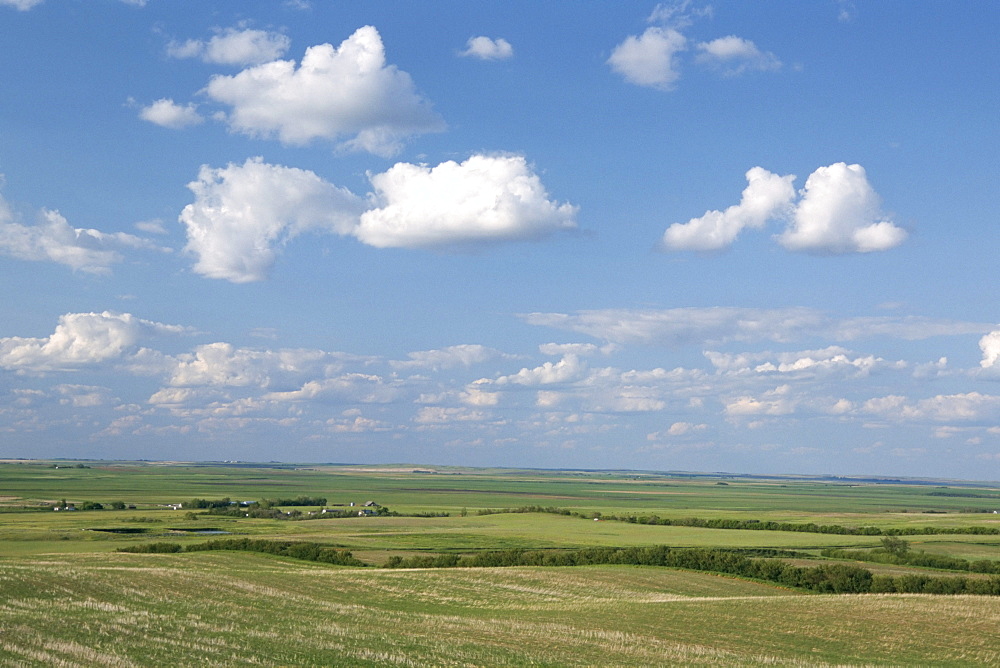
(208, 503)
(927, 584)
(153, 548)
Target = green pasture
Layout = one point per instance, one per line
(408, 489)
(462, 494)
(40, 533)
(68, 598)
(81, 531)
(972, 548)
(541, 531)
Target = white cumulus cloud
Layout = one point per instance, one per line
(681, 428)
(356, 424)
(652, 59)
(222, 364)
(178, 396)
(990, 345)
(242, 212)
(941, 408)
(833, 360)
(839, 213)
(735, 55)
(774, 402)
(442, 415)
(484, 199)
(80, 339)
(234, 47)
(649, 59)
(53, 239)
(345, 93)
(83, 396)
(836, 212)
(446, 358)
(485, 48)
(569, 368)
(474, 396)
(350, 387)
(167, 113)
(767, 195)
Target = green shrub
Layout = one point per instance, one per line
(152, 548)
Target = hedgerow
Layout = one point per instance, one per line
(825, 578)
(753, 525)
(922, 559)
(284, 548)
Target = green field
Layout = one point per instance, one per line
(68, 597)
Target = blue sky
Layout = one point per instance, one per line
(726, 236)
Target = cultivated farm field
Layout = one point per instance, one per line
(69, 597)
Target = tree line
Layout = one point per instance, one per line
(285, 548)
(753, 525)
(897, 551)
(268, 509)
(824, 578)
(263, 503)
(88, 505)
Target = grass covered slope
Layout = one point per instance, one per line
(229, 608)
(68, 597)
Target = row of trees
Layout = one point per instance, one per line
(254, 510)
(284, 548)
(89, 505)
(832, 578)
(263, 503)
(805, 527)
(825, 578)
(208, 503)
(268, 510)
(895, 550)
(754, 525)
(297, 501)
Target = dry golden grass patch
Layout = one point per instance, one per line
(248, 609)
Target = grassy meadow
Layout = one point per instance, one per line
(68, 597)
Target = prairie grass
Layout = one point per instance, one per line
(248, 609)
(68, 599)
